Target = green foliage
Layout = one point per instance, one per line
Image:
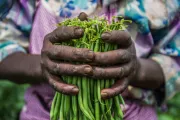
(11, 100)
(173, 109)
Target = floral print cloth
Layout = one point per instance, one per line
(155, 31)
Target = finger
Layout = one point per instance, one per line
(116, 89)
(112, 57)
(116, 72)
(68, 69)
(64, 33)
(83, 16)
(60, 52)
(122, 38)
(61, 86)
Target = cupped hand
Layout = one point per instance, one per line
(122, 63)
(52, 55)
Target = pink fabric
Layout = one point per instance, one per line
(44, 23)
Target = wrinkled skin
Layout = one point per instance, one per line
(122, 63)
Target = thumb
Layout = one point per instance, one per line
(83, 16)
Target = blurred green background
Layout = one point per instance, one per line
(12, 100)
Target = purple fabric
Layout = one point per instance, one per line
(143, 44)
(39, 98)
(37, 103)
(44, 23)
(136, 111)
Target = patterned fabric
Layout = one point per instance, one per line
(155, 26)
(15, 26)
(171, 72)
(9, 47)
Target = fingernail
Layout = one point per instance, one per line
(104, 95)
(78, 31)
(83, 16)
(105, 36)
(90, 55)
(76, 90)
(87, 70)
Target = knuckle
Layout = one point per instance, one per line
(56, 68)
(100, 73)
(104, 58)
(64, 91)
(58, 50)
(78, 53)
(55, 35)
(54, 84)
(50, 81)
(46, 49)
(48, 37)
(121, 71)
(124, 56)
(74, 69)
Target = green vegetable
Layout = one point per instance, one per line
(87, 105)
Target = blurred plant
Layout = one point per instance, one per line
(173, 109)
(11, 100)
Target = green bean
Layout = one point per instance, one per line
(53, 106)
(116, 117)
(74, 102)
(71, 115)
(103, 117)
(61, 115)
(80, 102)
(79, 114)
(58, 103)
(121, 100)
(67, 100)
(97, 111)
(85, 95)
(118, 109)
(89, 97)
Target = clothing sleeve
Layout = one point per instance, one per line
(16, 18)
(10, 40)
(157, 38)
(171, 70)
(9, 47)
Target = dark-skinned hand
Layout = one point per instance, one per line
(122, 63)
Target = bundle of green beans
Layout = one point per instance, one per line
(88, 105)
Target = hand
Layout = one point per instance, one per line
(123, 60)
(123, 63)
(53, 55)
